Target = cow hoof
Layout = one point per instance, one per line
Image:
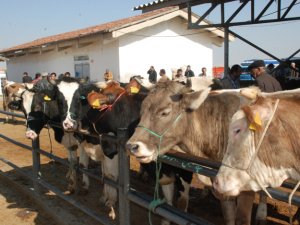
(69, 192)
(112, 213)
(71, 189)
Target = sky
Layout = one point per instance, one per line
(24, 21)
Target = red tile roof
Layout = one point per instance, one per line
(102, 28)
(166, 3)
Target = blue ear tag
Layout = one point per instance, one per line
(82, 97)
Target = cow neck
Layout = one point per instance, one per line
(106, 108)
(256, 149)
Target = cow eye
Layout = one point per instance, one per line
(238, 130)
(165, 112)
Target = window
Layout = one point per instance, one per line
(82, 66)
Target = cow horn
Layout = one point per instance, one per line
(250, 93)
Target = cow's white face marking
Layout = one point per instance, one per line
(27, 101)
(68, 90)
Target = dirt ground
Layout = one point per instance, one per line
(16, 208)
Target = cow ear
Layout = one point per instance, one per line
(192, 101)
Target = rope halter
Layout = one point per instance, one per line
(156, 199)
(256, 149)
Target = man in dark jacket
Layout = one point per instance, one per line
(26, 78)
(189, 72)
(152, 75)
(265, 81)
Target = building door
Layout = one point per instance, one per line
(82, 67)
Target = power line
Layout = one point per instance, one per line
(280, 10)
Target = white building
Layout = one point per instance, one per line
(127, 46)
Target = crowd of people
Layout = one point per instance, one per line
(38, 76)
(263, 75)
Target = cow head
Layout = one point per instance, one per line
(12, 95)
(248, 165)
(67, 93)
(164, 114)
(39, 105)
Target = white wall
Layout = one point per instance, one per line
(101, 57)
(165, 46)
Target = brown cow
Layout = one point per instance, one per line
(197, 122)
(11, 92)
(264, 145)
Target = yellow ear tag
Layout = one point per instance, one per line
(256, 123)
(96, 104)
(134, 90)
(47, 98)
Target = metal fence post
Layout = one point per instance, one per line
(36, 161)
(124, 184)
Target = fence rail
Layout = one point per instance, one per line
(126, 193)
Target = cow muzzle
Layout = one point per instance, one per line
(225, 186)
(15, 105)
(69, 125)
(30, 134)
(141, 152)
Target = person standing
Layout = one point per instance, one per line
(232, 81)
(26, 78)
(108, 76)
(52, 76)
(152, 75)
(38, 76)
(179, 76)
(67, 74)
(203, 72)
(265, 81)
(163, 76)
(189, 72)
(294, 71)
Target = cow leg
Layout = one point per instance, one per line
(261, 213)
(244, 208)
(229, 210)
(5, 108)
(183, 200)
(84, 162)
(110, 168)
(71, 175)
(168, 192)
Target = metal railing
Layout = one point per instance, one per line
(126, 193)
